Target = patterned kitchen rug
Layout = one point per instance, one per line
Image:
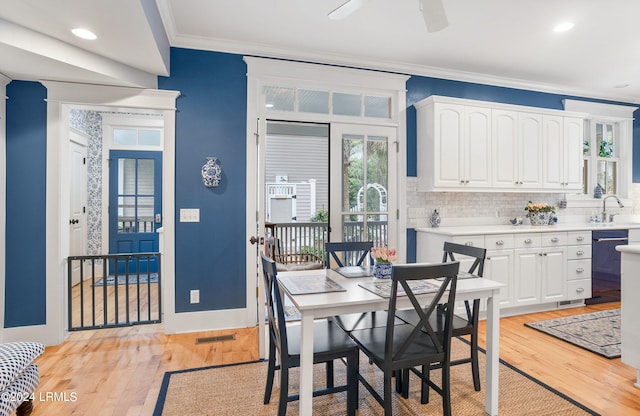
(598, 332)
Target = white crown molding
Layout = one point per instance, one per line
(263, 50)
(89, 94)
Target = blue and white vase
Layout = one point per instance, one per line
(382, 270)
(435, 219)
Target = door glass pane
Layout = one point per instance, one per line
(346, 104)
(136, 208)
(313, 101)
(364, 188)
(353, 173)
(278, 98)
(379, 107)
(149, 137)
(124, 136)
(145, 176)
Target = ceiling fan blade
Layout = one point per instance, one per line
(434, 15)
(346, 9)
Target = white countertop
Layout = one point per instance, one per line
(519, 229)
(630, 249)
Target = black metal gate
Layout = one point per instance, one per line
(105, 298)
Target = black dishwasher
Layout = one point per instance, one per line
(605, 265)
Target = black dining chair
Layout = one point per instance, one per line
(399, 347)
(330, 343)
(345, 253)
(467, 325)
(354, 254)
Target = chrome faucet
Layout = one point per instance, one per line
(604, 208)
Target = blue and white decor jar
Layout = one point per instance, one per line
(382, 270)
(539, 218)
(211, 173)
(435, 219)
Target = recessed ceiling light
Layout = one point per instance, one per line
(563, 27)
(84, 33)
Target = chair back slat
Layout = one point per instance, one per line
(477, 268)
(401, 276)
(339, 251)
(275, 308)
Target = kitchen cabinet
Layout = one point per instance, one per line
(468, 145)
(457, 145)
(517, 149)
(498, 265)
(579, 265)
(562, 153)
(540, 268)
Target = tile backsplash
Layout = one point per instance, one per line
(463, 208)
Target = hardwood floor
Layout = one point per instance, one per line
(119, 371)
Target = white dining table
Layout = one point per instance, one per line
(356, 299)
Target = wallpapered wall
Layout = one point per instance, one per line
(90, 123)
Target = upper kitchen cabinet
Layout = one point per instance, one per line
(517, 149)
(468, 145)
(454, 147)
(562, 153)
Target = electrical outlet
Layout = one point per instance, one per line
(189, 214)
(194, 296)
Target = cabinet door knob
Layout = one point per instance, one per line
(527, 241)
(555, 239)
(579, 270)
(499, 242)
(579, 253)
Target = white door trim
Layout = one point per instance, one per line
(61, 96)
(263, 71)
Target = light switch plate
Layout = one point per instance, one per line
(189, 214)
(194, 296)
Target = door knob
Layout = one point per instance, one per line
(74, 221)
(253, 240)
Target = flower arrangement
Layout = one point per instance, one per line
(384, 255)
(532, 208)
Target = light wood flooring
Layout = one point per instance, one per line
(113, 304)
(119, 371)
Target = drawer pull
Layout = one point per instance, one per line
(555, 239)
(579, 253)
(580, 238)
(580, 290)
(469, 243)
(579, 270)
(500, 243)
(527, 241)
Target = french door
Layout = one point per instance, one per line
(135, 205)
(363, 184)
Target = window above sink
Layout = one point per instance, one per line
(607, 151)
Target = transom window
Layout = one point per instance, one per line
(342, 103)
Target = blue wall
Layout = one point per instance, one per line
(25, 282)
(210, 121)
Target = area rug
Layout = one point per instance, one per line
(598, 332)
(133, 279)
(238, 390)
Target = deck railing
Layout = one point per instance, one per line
(310, 237)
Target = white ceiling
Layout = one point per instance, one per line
(499, 42)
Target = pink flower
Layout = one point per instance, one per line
(384, 255)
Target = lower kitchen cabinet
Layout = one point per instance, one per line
(536, 268)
